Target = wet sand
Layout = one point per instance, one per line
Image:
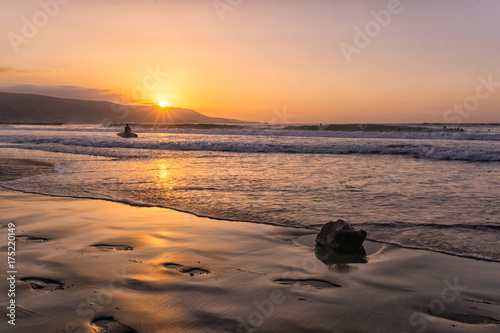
(96, 266)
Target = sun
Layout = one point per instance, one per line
(163, 104)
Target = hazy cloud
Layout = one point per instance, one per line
(7, 69)
(12, 70)
(74, 92)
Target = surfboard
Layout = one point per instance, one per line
(127, 135)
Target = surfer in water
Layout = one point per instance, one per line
(127, 129)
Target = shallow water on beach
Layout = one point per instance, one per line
(443, 205)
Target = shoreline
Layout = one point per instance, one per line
(308, 228)
(84, 264)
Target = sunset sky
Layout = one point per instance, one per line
(330, 61)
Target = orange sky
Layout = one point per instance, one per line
(263, 60)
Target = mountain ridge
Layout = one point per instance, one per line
(40, 109)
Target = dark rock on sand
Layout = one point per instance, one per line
(341, 237)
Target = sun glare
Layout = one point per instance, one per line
(163, 104)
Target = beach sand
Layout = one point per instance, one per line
(96, 266)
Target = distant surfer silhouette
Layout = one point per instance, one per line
(127, 133)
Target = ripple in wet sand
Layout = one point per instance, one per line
(113, 247)
(308, 283)
(109, 325)
(43, 285)
(28, 238)
(188, 270)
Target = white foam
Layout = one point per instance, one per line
(108, 144)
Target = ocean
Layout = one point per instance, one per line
(415, 185)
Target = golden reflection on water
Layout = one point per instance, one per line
(167, 174)
(163, 169)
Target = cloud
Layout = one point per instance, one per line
(13, 70)
(6, 69)
(73, 92)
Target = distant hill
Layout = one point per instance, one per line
(29, 108)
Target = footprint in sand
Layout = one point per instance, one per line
(43, 285)
(113, 247)
(109, 325)
(319, 284)
(188, 270)
(28, 238)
